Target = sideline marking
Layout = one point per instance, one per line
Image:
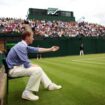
(88, 60)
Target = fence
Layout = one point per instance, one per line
(68, 46)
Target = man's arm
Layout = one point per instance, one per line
(52, 49)
(42, 50)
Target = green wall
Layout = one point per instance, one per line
(71, 46)
(68, 46)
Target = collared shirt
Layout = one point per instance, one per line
(18, 55)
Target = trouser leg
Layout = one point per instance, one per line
(45, 80)
(36, 74)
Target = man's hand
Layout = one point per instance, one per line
(54, 48)
(35, 65)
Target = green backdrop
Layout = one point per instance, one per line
(68, 46)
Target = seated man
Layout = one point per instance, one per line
(19, 64)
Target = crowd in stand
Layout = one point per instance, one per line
(52, 28)
(8, 25)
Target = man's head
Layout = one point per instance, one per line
(28, 37)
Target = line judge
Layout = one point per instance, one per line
(19, 65)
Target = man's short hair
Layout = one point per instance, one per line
(26, 34)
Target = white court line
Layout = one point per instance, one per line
(88, 62)
(89, 59)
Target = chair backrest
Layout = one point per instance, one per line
(7, 70)
(5, 66)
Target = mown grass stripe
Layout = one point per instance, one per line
(77, 71)
(83, 84)
(78, 81)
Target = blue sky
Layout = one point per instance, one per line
(92, 10)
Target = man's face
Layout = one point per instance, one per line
(30, 39)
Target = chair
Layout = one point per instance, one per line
(7, 72)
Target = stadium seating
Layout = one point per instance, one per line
(54, 28)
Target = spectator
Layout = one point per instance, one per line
(52, 28)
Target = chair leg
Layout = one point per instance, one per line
(7, 91)
(1, 102)
(6, 99)
(7, 86)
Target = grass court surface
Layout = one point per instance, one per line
(82, 78)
